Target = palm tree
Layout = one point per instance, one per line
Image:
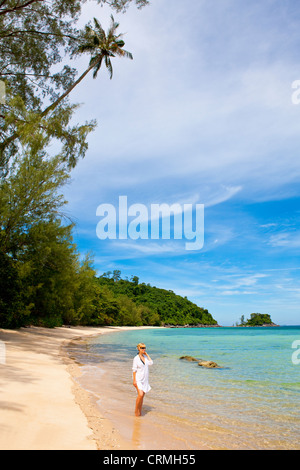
(101, 46)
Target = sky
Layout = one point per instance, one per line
(204, 114)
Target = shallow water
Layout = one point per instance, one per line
(251, 402)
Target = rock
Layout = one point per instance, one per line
(208, 364)
(189, 358)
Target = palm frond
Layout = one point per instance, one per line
(103, 46)
(114, 25)
(86, 48)
(97, 24)
(112, 29)
(128, 55)
(95, 58)
(96, 40)
(97, 67)
(99, 31)
(120, 43)
(109, 66)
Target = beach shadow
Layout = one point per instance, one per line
(138, 429)
(136, 432)
(146, 409)
(142, 434)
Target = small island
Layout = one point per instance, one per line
(257, 319)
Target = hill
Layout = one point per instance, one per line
(153, 306)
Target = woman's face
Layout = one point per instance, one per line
(142, 349)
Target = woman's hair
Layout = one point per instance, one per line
(139, 345)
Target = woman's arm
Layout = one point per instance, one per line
(134, 380)
(134, 371)
(149, 358)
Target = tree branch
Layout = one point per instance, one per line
(20, 7)
(32, 31)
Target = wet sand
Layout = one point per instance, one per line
(43, 407)
(112, 394)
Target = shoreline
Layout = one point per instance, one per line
(48, 403)
(106, 435)
(43, 406)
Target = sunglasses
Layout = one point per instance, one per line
(142, 348)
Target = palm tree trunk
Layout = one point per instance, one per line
(51, 107)
(66, 93)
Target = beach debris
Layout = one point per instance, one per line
(209, 364)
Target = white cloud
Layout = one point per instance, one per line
(285, 240)
(203, 114)
(150, 248)
(202, 109)
(225, 193)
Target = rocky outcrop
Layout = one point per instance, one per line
(199, 325)
(209, 364)
(201, 362)
(189, 358)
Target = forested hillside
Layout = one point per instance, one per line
(156, 305)
(74, 295)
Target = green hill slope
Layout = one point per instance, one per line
(154, 306)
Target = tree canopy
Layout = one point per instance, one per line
(256, 319)
(162, 306)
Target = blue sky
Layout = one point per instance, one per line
(202, 115)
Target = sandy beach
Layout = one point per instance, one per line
(42, 406)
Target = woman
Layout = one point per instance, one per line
(140, 376)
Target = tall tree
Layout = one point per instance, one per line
(35, 37)
(100, 46)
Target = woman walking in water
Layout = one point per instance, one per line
(140, 376)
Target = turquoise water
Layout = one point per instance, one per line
(251, 402)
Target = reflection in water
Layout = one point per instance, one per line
(136, 432)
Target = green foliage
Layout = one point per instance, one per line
(256, 319)
(122, 5)
(34, 37)
(39, 263)
(27, 197)
(49, 266)
(259, 319)
(12, 309)
(156, 305)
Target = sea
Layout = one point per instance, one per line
(251, 402)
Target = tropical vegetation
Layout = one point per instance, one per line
(43, 279)
(156, 306)
(256, 319)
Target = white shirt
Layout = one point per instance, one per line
(142, 372)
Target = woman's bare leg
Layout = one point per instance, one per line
(139, 402)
